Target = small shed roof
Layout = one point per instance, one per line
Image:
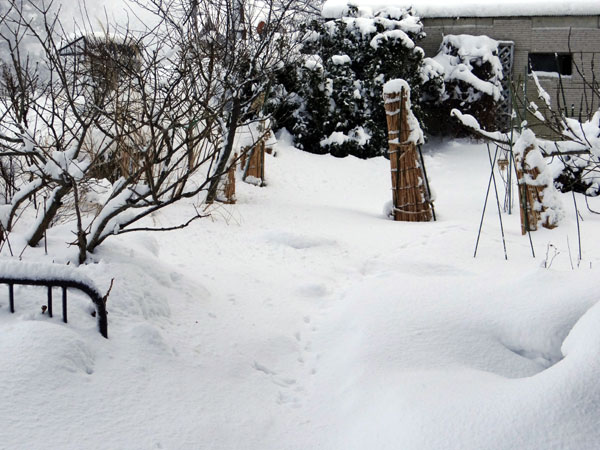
(471, 8)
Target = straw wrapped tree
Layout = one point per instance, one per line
(538, 200)
(410, 189)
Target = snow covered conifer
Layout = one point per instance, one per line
(333, 102)
(472, 73)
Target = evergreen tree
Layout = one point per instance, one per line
(332, 101)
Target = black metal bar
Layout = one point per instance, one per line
(427, 183)
(487, 195)
(493, 165)
(90, 291)
(11, 297)
(578, 228)
(64, 303)
(50, 301)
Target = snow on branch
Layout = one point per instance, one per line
(471, 122)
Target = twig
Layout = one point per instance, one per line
(176, 227)
(105, 298)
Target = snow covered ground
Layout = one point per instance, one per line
(302, 318)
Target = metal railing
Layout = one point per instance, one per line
(94, 295)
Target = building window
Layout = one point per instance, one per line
(551, 63)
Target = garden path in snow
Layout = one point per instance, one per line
(302, 318)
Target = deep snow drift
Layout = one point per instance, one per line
(302, 318)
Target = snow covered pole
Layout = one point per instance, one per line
(410, 195)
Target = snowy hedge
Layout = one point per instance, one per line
(332, 100)
(472, 74)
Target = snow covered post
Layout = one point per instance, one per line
(538, 198)
(409, 186)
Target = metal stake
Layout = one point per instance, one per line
(11, 297)
(64, 304)
(50, 301)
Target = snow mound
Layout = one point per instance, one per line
(297, 241)
(33, 348)
(145, 335)
(583, 341)
(141, 289)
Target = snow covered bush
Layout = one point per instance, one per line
(472, 74)
(581, 169)
(331, 100)
(576, 141)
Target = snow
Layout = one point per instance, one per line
(313, 62)
(527, 149)
(533, 107)
(340, 60)
(542, 94)
(38, 271)
(386, 19)
(431, 69)
(111, 212)
(24, 191)
(468, 8)
(470, 121)
(303, 318)
(542, 74)
(396, 35)
(358, 135)
(459, 53)
(396, 86)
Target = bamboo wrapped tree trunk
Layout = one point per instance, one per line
(527, 195)
(409, 187)
(229, 185)
(256, 163)
(226, 188)
(254, 171)
(531, 194)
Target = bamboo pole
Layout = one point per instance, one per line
(408, 180)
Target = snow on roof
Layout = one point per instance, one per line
(470, 8)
